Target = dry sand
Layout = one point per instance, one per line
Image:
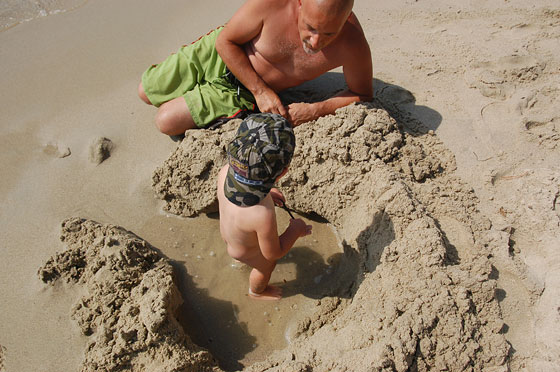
(444, 193)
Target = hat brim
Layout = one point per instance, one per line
(243, 194)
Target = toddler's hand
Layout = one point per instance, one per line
(277, 197)
(300, 227)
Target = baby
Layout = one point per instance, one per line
(258, 156)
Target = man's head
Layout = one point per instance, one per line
(258, 155)
(320, 22)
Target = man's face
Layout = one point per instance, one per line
(318, 26)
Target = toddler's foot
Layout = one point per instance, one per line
(270, 293)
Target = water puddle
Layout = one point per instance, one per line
(218, 314)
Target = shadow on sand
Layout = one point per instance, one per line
(398, 101)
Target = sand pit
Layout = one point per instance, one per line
(422, 297)
(422, 294)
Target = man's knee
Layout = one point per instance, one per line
(166, 122)
(173, 117)
(171, 122)
(142, 94)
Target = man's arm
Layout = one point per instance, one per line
(245, 25)
(358, 73)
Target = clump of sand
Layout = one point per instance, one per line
(131, 301)
(100, 150)
(423, 296)
(186, 180)
(2, 358)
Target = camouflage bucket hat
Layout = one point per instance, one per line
(261, 150)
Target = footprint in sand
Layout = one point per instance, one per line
(546, 132)
(56, 150)
(538, 122)
(524, 112)
(499, 79)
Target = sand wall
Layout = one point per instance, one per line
(129, 309)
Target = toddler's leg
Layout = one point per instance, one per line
(258, 283)
(260, 275)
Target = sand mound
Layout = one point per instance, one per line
(186, 180)
(129, 309)
(423, 297)
(100, 150)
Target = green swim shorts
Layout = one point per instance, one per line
(197, 73)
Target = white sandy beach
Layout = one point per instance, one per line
(474, 85)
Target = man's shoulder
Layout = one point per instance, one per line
(353, 28)
(352, 36)
(277, 3)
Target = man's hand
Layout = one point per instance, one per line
(299, 113)
(268, 101)
(277, 197)
(299, 227)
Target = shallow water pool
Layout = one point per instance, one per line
(217, 313)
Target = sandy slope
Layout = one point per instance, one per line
(490, 73)
(483, 76)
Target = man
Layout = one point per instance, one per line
(268, 46)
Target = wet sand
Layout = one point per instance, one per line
(217, 312)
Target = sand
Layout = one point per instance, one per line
(443, 193)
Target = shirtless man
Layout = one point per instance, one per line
(258, 156)
(269, 46)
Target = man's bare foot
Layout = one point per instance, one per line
(271, 292)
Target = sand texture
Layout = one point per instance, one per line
(444, 195)
(129, 312)
(2, 358)
(417, 302)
